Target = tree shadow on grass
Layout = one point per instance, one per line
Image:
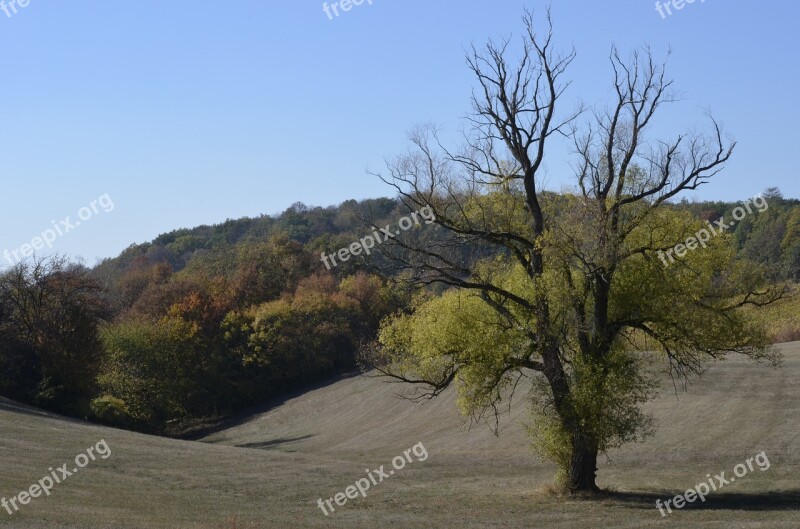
(787, 500)
(254, 412)
(11, 406)
(265, 445)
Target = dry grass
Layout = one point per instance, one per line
(782, 319)
(268, 471)
(235, 523)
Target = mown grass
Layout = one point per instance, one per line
(269, 470)
(782, 319)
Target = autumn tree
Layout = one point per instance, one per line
(50, 351)
(578, 281)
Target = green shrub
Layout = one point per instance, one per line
(111, 411)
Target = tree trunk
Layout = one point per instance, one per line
(583, 465)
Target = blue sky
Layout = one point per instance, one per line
(191, 112)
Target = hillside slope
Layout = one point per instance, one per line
(271, 468)
(746, 405)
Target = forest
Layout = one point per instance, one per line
(199, 324)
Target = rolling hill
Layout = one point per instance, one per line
(269, 469)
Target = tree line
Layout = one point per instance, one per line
(203, 323)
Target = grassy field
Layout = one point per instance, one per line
(269, 469)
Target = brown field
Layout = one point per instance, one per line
(268, 470)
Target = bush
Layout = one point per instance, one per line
(111, 411)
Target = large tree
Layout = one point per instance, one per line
(576, 285)
(50, 311)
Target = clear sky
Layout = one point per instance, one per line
(191, 112)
